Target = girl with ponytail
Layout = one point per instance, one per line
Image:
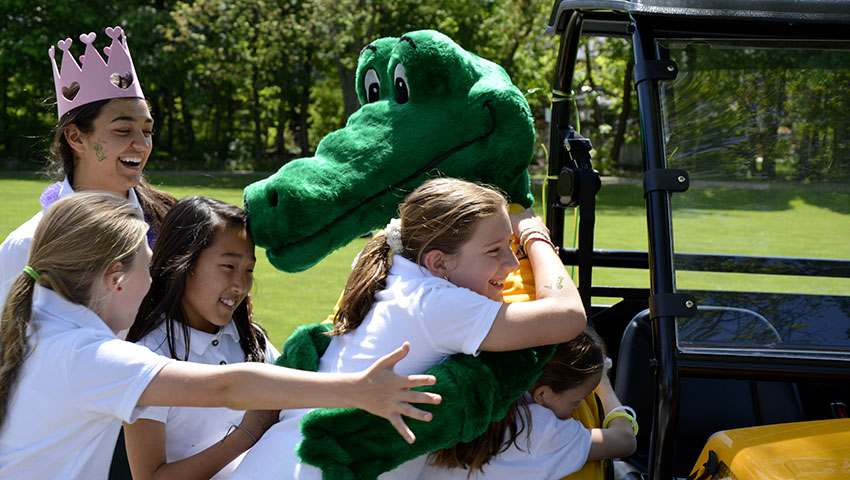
(67, 381)
(434, 277)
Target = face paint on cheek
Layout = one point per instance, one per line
(98, 150)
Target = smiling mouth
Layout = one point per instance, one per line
(229, 303)
(500, 285)
(131, 162)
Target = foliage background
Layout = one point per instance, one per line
(252, 84)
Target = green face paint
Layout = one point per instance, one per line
(98, 150)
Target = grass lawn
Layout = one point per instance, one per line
(802, 220)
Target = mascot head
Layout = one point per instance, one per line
(429, 108)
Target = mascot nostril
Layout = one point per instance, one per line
(273, 197)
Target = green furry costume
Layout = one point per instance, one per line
(429, 108)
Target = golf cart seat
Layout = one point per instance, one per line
(706, 405)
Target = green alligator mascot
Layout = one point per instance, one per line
(429, 108)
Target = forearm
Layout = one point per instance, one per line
(607, 396)
(245, 386)
(146, 453)
(617, 439)
(257, 386)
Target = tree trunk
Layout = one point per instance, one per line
(186, 110)
(168, 116)
(597, 111)
(257, 114)
(280, 138)
(625, 112)
(304, 106)
(350, 102)
(4, 118)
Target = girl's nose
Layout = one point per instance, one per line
(242, 284)
(141, 141)
(511, 262)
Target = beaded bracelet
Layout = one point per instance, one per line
(536, 236)
(624, 412)
(528, 231)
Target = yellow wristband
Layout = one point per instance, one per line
(613, 415)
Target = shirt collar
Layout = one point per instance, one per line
(55, 305)
(67, 189)
(404, 267)
(199, 341)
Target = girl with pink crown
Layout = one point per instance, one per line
(102, 141)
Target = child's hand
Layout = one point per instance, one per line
(387, 394)
(526, 219)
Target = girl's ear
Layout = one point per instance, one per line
(438, 263)
(540, 392)
(112, 276)
(74, 137)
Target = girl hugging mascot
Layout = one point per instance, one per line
(429, 110)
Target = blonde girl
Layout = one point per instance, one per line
(67, 382)
(435, 277)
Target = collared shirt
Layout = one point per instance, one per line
(14, 251)
(76, 386)
(437, 317)
(553, 449)
(190, 430)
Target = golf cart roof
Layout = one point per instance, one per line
(809, 11)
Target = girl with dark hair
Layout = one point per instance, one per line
(197, 311)
(67, 382)
(102, 142)
(435, 277)
(536, 440)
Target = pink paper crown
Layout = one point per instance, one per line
(96, 80)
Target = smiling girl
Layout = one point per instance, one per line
(435, 277)
(196, 310)
(102, 141)
(67, 382)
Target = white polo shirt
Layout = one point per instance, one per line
(15, 250)
(191, 430)
(437, 317)
(555, 449)
(77, 385)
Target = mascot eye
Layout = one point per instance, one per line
(372, 84)
(402, 94)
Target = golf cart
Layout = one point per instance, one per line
(734, 350)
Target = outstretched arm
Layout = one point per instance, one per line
(248, 386)
(556, 315)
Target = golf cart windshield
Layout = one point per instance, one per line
(762, 128)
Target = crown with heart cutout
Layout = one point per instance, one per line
(95, 80)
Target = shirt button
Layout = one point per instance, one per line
(215, 342)
(222, 362)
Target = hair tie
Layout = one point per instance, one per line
(393, 234)
(32, 273)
